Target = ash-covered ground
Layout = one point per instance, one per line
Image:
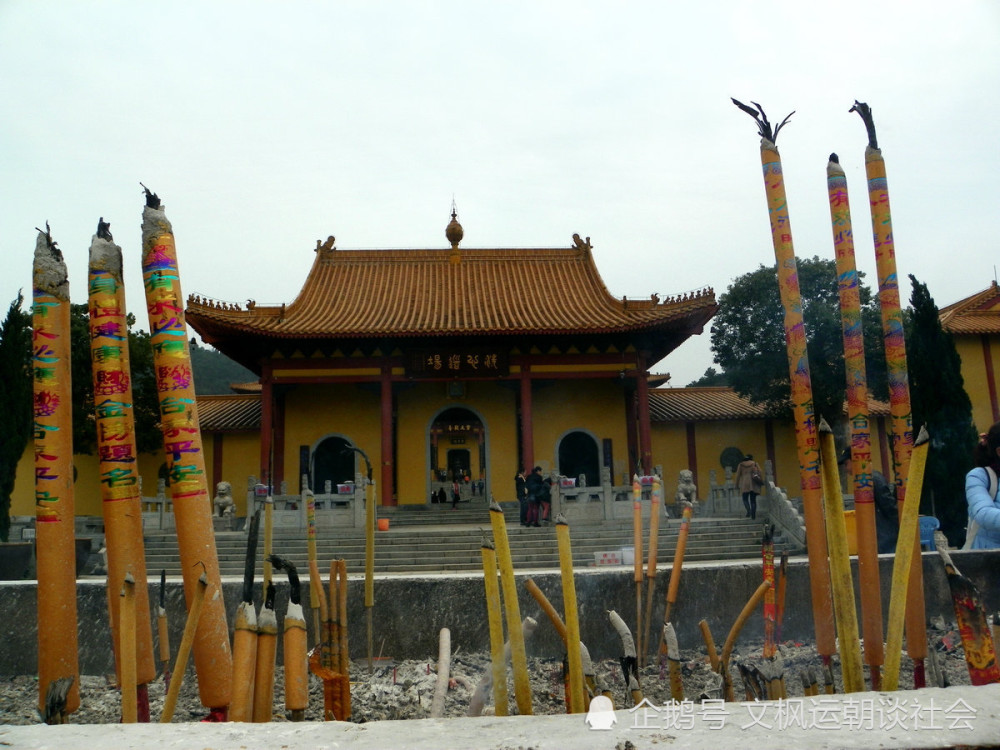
(405, 689)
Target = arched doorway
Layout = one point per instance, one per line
(578, 454)
(457, 440)
(332, 462)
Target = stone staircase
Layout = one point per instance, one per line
(436, 539)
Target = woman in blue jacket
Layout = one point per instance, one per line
(984, 507)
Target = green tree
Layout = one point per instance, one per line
(15, 401)
(939, 402)
(748, 339)
(711, 377)
(214, 372)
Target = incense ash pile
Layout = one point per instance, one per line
(405, 689)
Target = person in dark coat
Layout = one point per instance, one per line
(535, 486)
(521, 491)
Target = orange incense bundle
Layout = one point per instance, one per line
(267, 648)
(55, 546)
(245, 635)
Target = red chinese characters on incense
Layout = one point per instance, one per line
(55, 546)
(116, 447)
(803, 409)
(857, 416)
(182, 448)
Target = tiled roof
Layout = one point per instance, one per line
(252, 387)
(977, 314)
(707, 403)
(229, 413)
(699, 404)
(398, 293)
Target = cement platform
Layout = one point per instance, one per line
(967, 717)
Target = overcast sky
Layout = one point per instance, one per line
(266, 126)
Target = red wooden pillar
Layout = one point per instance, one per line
(266, 424)
(630, 423)
(991, 381)
(387, 492)
(527, 431)
(278, 468)
(642, 405)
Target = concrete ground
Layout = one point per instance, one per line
(930, 718)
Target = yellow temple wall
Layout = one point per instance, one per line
(970, 350)
(240, 460)
(313, 412)
(417, 406)
(594, 406)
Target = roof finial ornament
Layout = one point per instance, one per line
(582, 244)
(454, 233)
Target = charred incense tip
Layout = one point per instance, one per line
(835, 159)
(561, 520)
(824, 426)
(269, 596)
(487, 543)
(922, 436)
(152, 199)
(866, 115)
(495, 508)
(104, 230)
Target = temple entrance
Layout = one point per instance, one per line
(578, 454)
(331, 462)
(457, 442)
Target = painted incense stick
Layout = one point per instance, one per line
(973, 625)
(55, 510)
(898, 375)
(848, 287)
(182, 448)
(342, 633)
(321, 656)
(840, 566)
(519, 659)
(801, 386)
(571, 614)
(498, 665)
(901, 569)
(116, 448)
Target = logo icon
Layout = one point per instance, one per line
(602, 713)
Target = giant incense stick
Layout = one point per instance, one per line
(498, 665)
(801, 386)
(294, 644)
(899, 383)
(840, 566)
(571, 614)
(127, 651)
(734, 631)
(637, 559)
(267, 648)
(184, 453)
(184, 650)
(55, 522)
(512, 611)
(654, 530)
(848, 286)
(116, 447)
(770, 608)
(902, 569)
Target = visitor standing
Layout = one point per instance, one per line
(981, 493)
(521, 491)
(455, 494)
(749, 480)
(535, 487)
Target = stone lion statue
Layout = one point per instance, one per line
(225, 506)
(687, 490)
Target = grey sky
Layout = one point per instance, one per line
(267, 126)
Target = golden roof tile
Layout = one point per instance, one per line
(977, 314)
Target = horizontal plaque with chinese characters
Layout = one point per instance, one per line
(458, 363)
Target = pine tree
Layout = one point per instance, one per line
(15, 401)
(940, 403)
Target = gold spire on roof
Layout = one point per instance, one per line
(454, 234)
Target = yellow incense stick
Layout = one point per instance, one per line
(572, 616)
(518, 657)
(497, 661)
(905, 545)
